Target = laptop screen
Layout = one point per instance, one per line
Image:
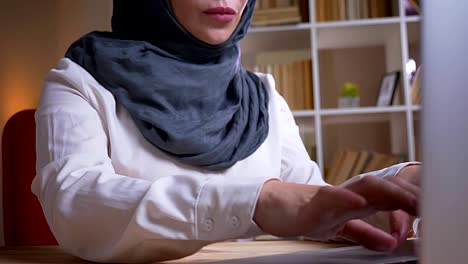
(445, 131)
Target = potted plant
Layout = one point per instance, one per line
(349, 95)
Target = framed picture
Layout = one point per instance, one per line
(388, 87)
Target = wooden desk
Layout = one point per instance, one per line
(211, 253)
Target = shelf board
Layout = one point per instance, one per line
(416, 108)
(413, 19)
(362, 110)
(354, 111)
(353, 115)
(292, 27)
(360, 115)
(303, 113)
(358, 22)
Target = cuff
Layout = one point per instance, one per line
(225, 208)
(390, 171)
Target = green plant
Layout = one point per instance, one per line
(350, 89)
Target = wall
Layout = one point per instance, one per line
(35, 35)
(363, 66)
(76, 18)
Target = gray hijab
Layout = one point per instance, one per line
(191, 100)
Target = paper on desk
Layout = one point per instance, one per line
(347, 255)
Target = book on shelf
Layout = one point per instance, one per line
(380, 160)
(346, 166)
(349, 163)
(361, 163)
(280, 12)
(338, 10)
(304, 9)
(332, 172)
(293, 81)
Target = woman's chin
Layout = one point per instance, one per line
(215, 36)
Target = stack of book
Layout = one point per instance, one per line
(331, 10)
(278, 12)
(293, 81)
(349, 163)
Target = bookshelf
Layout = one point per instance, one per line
(358, 50)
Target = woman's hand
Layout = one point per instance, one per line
(326, 212)
(400, 220)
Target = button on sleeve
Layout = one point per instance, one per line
(225, 208)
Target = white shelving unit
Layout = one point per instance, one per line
(393, 35)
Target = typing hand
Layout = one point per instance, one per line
(326, 212)
(400, 220)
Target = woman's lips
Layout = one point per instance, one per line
(221, 14)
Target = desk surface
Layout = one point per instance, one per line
(211, 253)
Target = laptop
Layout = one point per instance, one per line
(444, 152)
(345, 255)
(445, 132)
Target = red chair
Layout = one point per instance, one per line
(23, 218)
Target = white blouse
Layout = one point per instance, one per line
(110, 196)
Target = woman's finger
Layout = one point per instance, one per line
(414, 189)
(368, 236)
(336, 197)
(384, 195)
(399, 225)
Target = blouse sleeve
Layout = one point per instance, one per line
(99, 215)
(296, 165)
(388, 171)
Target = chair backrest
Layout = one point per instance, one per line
(24, 221)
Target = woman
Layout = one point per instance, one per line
(153, 141)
